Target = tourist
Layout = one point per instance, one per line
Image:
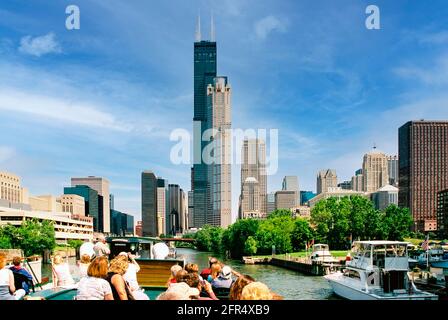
(180, 275)
(160, 251)
(192, 268)
(238, 286)
(179, 291)
(7, 288)
(194, 281)
(174, 270)
(256, 291)
(216, 269)
(25, 275)
(207, 271)
(224, 279)
(101, 248)
(61, 272)
(120, 288)
(83, 265)
(131, 276)
(94, 286)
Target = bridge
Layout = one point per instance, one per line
(179, 239)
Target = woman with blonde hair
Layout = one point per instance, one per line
(174, 270)
(7, 287)
(61, 272)
(120, 289)
(215, 270)
(238, 286)
(94, 286)
(256, 291)
(83, 265)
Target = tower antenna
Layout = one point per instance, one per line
(212, 28)
(198, 29)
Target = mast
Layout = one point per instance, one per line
(212, 28)
(198, 35)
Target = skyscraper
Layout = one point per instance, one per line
(375, 171)
(253, 167)
(326, 179)
(220, 170)
(162, 191)
(291, 183)
(392, 170)
(176, 210)
(149, 204)
(101, 185)
(423, 168)
(205, 62)
(91, 203)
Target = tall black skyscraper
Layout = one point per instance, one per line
(149, 204)
(205, 57)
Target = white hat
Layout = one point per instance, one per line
(183, 290)
(226, 272)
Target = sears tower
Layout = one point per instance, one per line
(204, 74)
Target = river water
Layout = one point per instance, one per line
(290, 284)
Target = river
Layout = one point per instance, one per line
(290, 284)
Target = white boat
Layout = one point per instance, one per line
(377, 270)
(321, 252)
(431, 256)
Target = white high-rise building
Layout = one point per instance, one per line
(291, 183)
(219, 95)
(375, 171)
(253, 167)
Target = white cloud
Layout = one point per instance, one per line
(434, 75)
(39, 46)
(57, 109)
(267, 25)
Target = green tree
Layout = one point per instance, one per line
(250, 246)
(279, 213)
(234, 238)
(398, 222)
(275, 231)
(5, 242)
(301, 233)
(36, 237)
(203, 239)
(75, 244)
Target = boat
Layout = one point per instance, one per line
(431, 256)
(152, 277)
(321, 253)
(377, 270)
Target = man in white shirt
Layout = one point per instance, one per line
(101, 248)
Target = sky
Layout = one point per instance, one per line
(103, 100)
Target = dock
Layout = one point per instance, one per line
(303, 265)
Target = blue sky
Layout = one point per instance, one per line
(103, 100)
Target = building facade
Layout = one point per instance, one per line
(74, 204)
(101, 185)
(91, 203)
(286, 199)
(423, 168)
(326, 179)
(442, 214)
(139, 229)
(335, 192)
(219, 99)
(122, 224)
(291, 183)
(392, 170)
(253, 166)
(375, 171)
(11, 189)
(205, 71)
(270, 202)
(306, 196)
(162, 192)
(385, 197)
(149, 204)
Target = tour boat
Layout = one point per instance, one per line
(431, 256)
(152, 277)
(377, 270)
(322, 253)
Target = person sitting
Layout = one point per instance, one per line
(224, 279)
(61, 273)
(160, 251)
(174, 270)
(101, 248)
(204, 287)
(94, 286)
(256, 291)
(120, 288)
(238, 286)
(7, 288)
(179, 291)
(216, 270)
(130, 276)
(180, 275)
(207, 271)
(22, 278)
(83, 265)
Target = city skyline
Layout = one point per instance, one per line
(331, 101)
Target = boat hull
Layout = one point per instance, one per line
(349, 292)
